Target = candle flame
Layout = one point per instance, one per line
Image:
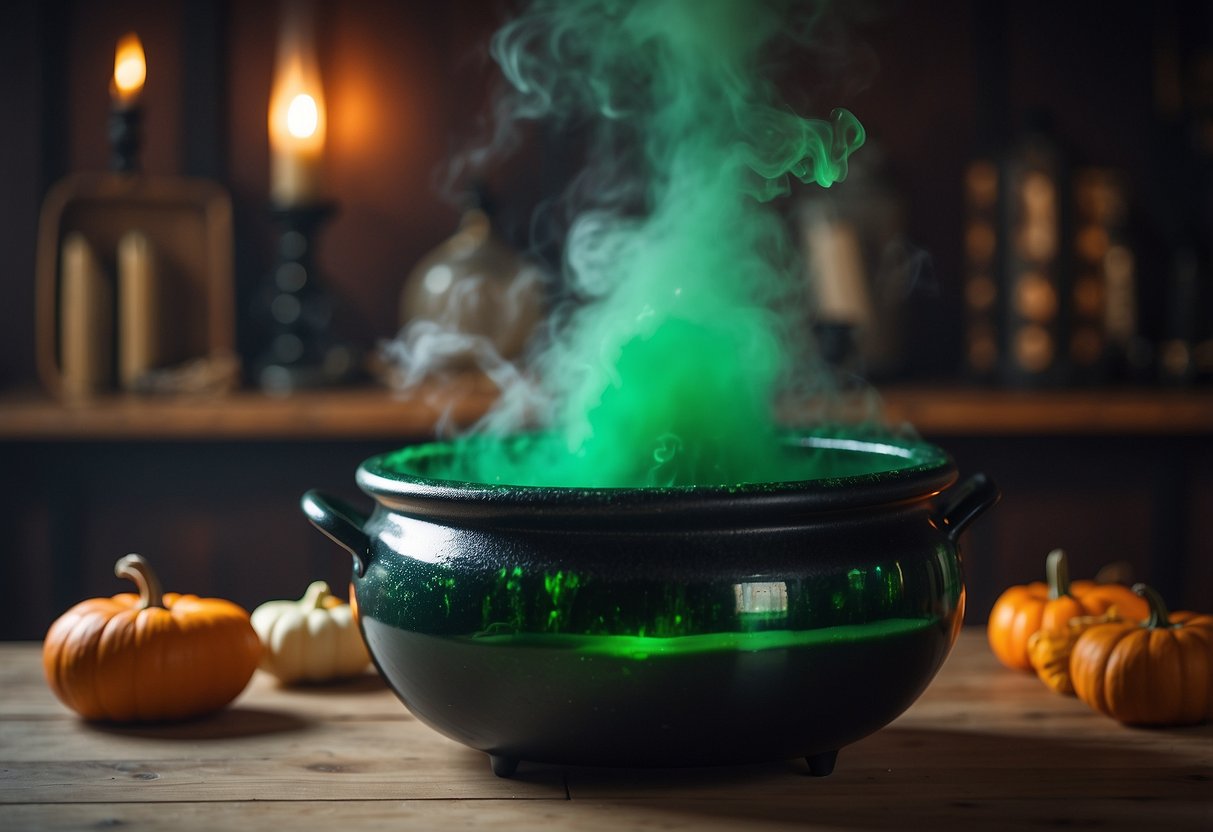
(130, 69)
(302, 116)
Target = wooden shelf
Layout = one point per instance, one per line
(373, 413)
(989, 412)
(340, 414)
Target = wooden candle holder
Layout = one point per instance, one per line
(189, 305)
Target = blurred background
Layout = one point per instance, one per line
(1020, 262)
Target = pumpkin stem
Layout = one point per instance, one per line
(136, 568)
(1057, 570)
(315, 596)
(1160, 616)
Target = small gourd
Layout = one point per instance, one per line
(149, 657)
(1023, 610)
(1049, 650)
(314, 639)
(1156, 672)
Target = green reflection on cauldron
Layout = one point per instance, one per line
(642, 648)
(432, 598)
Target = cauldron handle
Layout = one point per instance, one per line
(341, 523)
(968, 500)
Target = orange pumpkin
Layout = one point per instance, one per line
(1049, 650)
(149, 657)
(1157, 672)
(1023, 610)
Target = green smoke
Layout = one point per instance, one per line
(667, 371)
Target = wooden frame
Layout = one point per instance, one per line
(189, 222)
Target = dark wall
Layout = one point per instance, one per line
(405, 83)
(935, 83)
(223, 518)
(217, 519)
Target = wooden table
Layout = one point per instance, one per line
(983, 749)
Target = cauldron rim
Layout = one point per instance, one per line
(917, 470)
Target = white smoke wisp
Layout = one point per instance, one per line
(459, 341)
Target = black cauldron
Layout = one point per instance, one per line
(662, 626)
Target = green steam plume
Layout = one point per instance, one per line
(667, 372)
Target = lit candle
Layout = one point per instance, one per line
(126, 87)
(296, 114)
(130, 72)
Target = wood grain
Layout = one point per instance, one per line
(372, 413)
(348, 414)
(984, 748)
(673, 815)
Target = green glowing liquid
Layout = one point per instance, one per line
(767, 457)
(642, 648)
(668, 373)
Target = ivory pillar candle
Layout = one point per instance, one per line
(139, 309)
(85, 320)
(296, 112)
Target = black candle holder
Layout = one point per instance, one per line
(296, 312)
(124, 124)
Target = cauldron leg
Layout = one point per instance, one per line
(822, 764)
(505, 766)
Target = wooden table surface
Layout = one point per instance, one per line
(984, 748)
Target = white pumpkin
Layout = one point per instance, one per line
(314, 639)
